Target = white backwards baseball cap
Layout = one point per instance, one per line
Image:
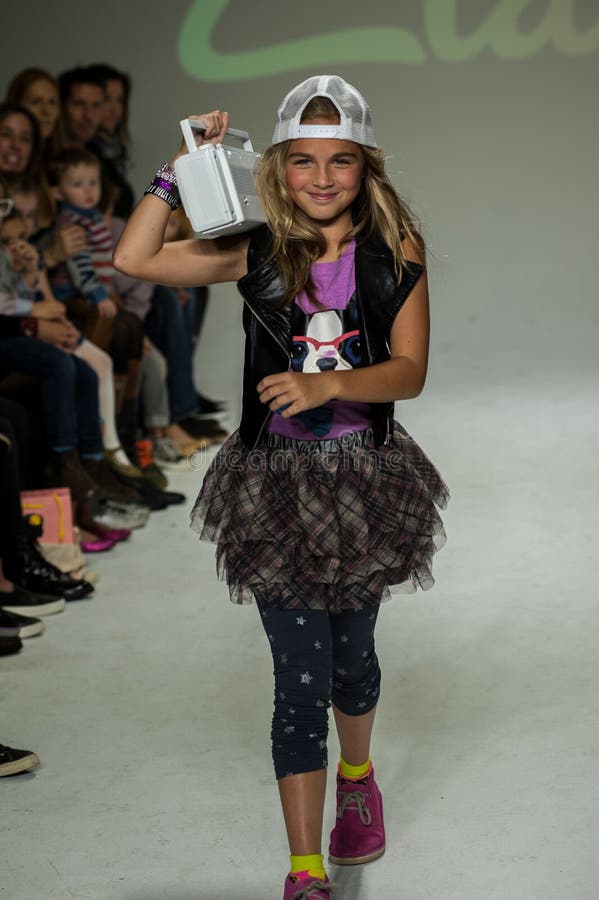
(354, 113)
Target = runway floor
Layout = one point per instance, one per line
(149, 705)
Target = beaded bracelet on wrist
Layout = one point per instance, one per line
(167, 172)
(164, 186)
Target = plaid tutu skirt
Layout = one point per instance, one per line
(323, 524)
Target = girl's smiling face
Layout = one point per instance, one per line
(324, 176)
(16, 142)
(41, 99)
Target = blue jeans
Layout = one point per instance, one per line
(170, 327)
(69, 391)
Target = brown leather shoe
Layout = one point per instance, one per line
(120, 468)
(66, 470)
(103, 473)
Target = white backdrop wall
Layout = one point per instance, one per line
(487, 109)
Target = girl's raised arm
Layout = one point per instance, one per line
(142, 253)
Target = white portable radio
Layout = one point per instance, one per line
(216, 184)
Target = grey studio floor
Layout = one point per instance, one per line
(149, 705)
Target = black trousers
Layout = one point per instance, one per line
(318, 657)
(10, 504)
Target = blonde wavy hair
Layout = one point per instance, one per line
(297, 241)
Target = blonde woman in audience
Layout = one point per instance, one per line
(37, 91)
(28, 128)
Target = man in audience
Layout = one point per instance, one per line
(82, 104)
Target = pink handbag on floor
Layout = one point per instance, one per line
(55, 510)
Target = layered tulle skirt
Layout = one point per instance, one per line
(333, 524)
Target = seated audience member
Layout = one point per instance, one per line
(81, 107)
(36, 339)
(20, 271)
(137, 296)
(156, 411)
(170, 325)
(55, 245)
(37, 91)
(20, 141)
(23, 281)
(29, 584)
(74, 177)
(27, 437)
(41, 347)
(13, 235)
(21, 153)
(111, 142)
(69, 397)
(23, 192)
(31, 198)
(83, 100)
(85, 284)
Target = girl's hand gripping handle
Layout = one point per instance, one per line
(211, 128)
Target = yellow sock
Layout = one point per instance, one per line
(354, 773)
(312, 864)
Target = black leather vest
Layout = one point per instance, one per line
(268, 327)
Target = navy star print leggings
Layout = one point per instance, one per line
(318, 657)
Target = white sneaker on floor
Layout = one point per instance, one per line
(122, 515)
(166, 453)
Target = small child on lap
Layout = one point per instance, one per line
(85, 281)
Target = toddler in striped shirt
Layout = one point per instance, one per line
(76, 184)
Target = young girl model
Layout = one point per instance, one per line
(320, 504)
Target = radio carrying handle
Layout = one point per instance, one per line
(188, 126)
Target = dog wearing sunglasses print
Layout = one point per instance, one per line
(327, 345)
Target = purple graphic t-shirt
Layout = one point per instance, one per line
(332, 341)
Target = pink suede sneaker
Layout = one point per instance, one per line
(359, 833)
(302, 886)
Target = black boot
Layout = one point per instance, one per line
(34, 573)
(152, 496)
(158, 499)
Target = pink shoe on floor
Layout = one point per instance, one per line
(100, 545)
(302, 886)
(359, 833)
